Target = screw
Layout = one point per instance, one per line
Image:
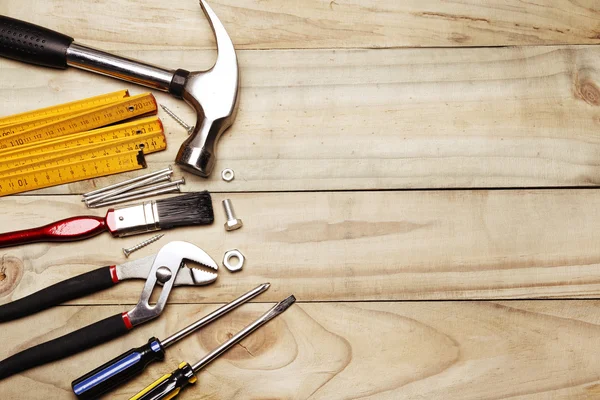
(181, 122)
(145, 243)
(232, 223)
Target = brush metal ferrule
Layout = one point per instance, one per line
(136, 219)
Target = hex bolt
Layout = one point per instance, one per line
(232, 223)
(145, 243)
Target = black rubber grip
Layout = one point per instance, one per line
(64, 346)
(61, 292)
(118, 371)
(33, 44)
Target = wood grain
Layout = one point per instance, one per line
(269, 24)
(449, 350)
(346, 246)
(343, 102)
(385, 119)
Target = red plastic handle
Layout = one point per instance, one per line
(66, 230)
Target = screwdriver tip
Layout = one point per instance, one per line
(284, 304)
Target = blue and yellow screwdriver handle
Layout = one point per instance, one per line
(168, 386)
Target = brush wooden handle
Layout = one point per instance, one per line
(66, 230)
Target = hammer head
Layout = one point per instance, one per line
(213, 94)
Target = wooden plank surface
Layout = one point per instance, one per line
(448, 350)
(273, 24)
(378, 119)
(343, 103)
(351, 246)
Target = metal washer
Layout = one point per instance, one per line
(228, 175)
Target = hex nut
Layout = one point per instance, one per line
(229, 255)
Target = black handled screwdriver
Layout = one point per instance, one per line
(168, 386)
(131, 363)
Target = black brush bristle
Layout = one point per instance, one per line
(185, 210)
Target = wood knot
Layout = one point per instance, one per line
(11, 272)
(55, 87)
(253, 346)
(588, 92)
(458, 38)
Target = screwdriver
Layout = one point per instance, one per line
(168, 386)
(131, 363)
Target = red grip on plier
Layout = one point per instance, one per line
(113, 273)
(127, 321)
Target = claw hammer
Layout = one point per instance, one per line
(213, 94)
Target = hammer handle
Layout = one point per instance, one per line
(33, 44)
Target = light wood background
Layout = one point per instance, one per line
(422, 175)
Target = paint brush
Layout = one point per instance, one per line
(185, 210)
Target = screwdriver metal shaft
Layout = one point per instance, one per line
(238, 337)
(214, 315)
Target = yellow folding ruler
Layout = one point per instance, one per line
(123, 110)
(65, 147)
(150, 125)
(146, 142)
(30, 119)
(72, 172)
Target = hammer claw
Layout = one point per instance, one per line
(213, 94)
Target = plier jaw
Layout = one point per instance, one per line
(165, 268)
(187, 276)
